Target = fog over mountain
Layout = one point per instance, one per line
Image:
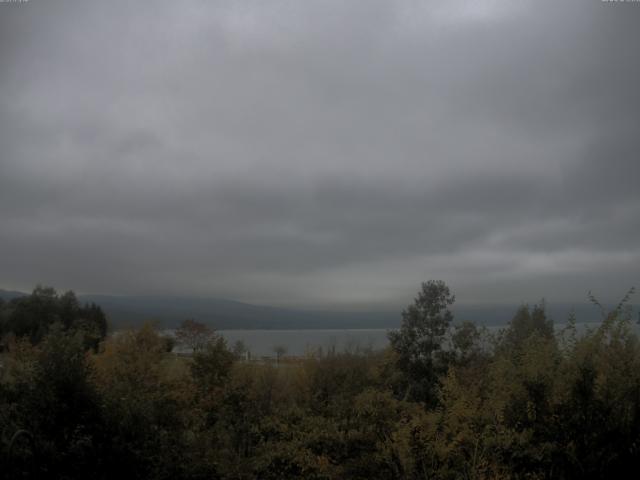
(321, 154)
(170, 311)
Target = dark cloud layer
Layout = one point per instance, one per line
(321, 153)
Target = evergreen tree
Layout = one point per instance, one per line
(418, 343)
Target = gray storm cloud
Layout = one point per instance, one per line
(321, 152)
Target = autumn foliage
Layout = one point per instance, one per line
(446, 400)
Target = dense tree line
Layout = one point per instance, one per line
(443, 401)
(33, 316)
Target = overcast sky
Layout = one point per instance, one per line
(321, 153)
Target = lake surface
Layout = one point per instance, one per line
(300, 342)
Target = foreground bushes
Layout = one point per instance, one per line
(525, 404)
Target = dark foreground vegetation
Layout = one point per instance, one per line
(442, 401)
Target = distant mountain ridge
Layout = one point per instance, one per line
(169, 311)
(221, 314)
(230, 314)
(10, 294)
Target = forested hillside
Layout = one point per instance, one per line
(442, 401)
